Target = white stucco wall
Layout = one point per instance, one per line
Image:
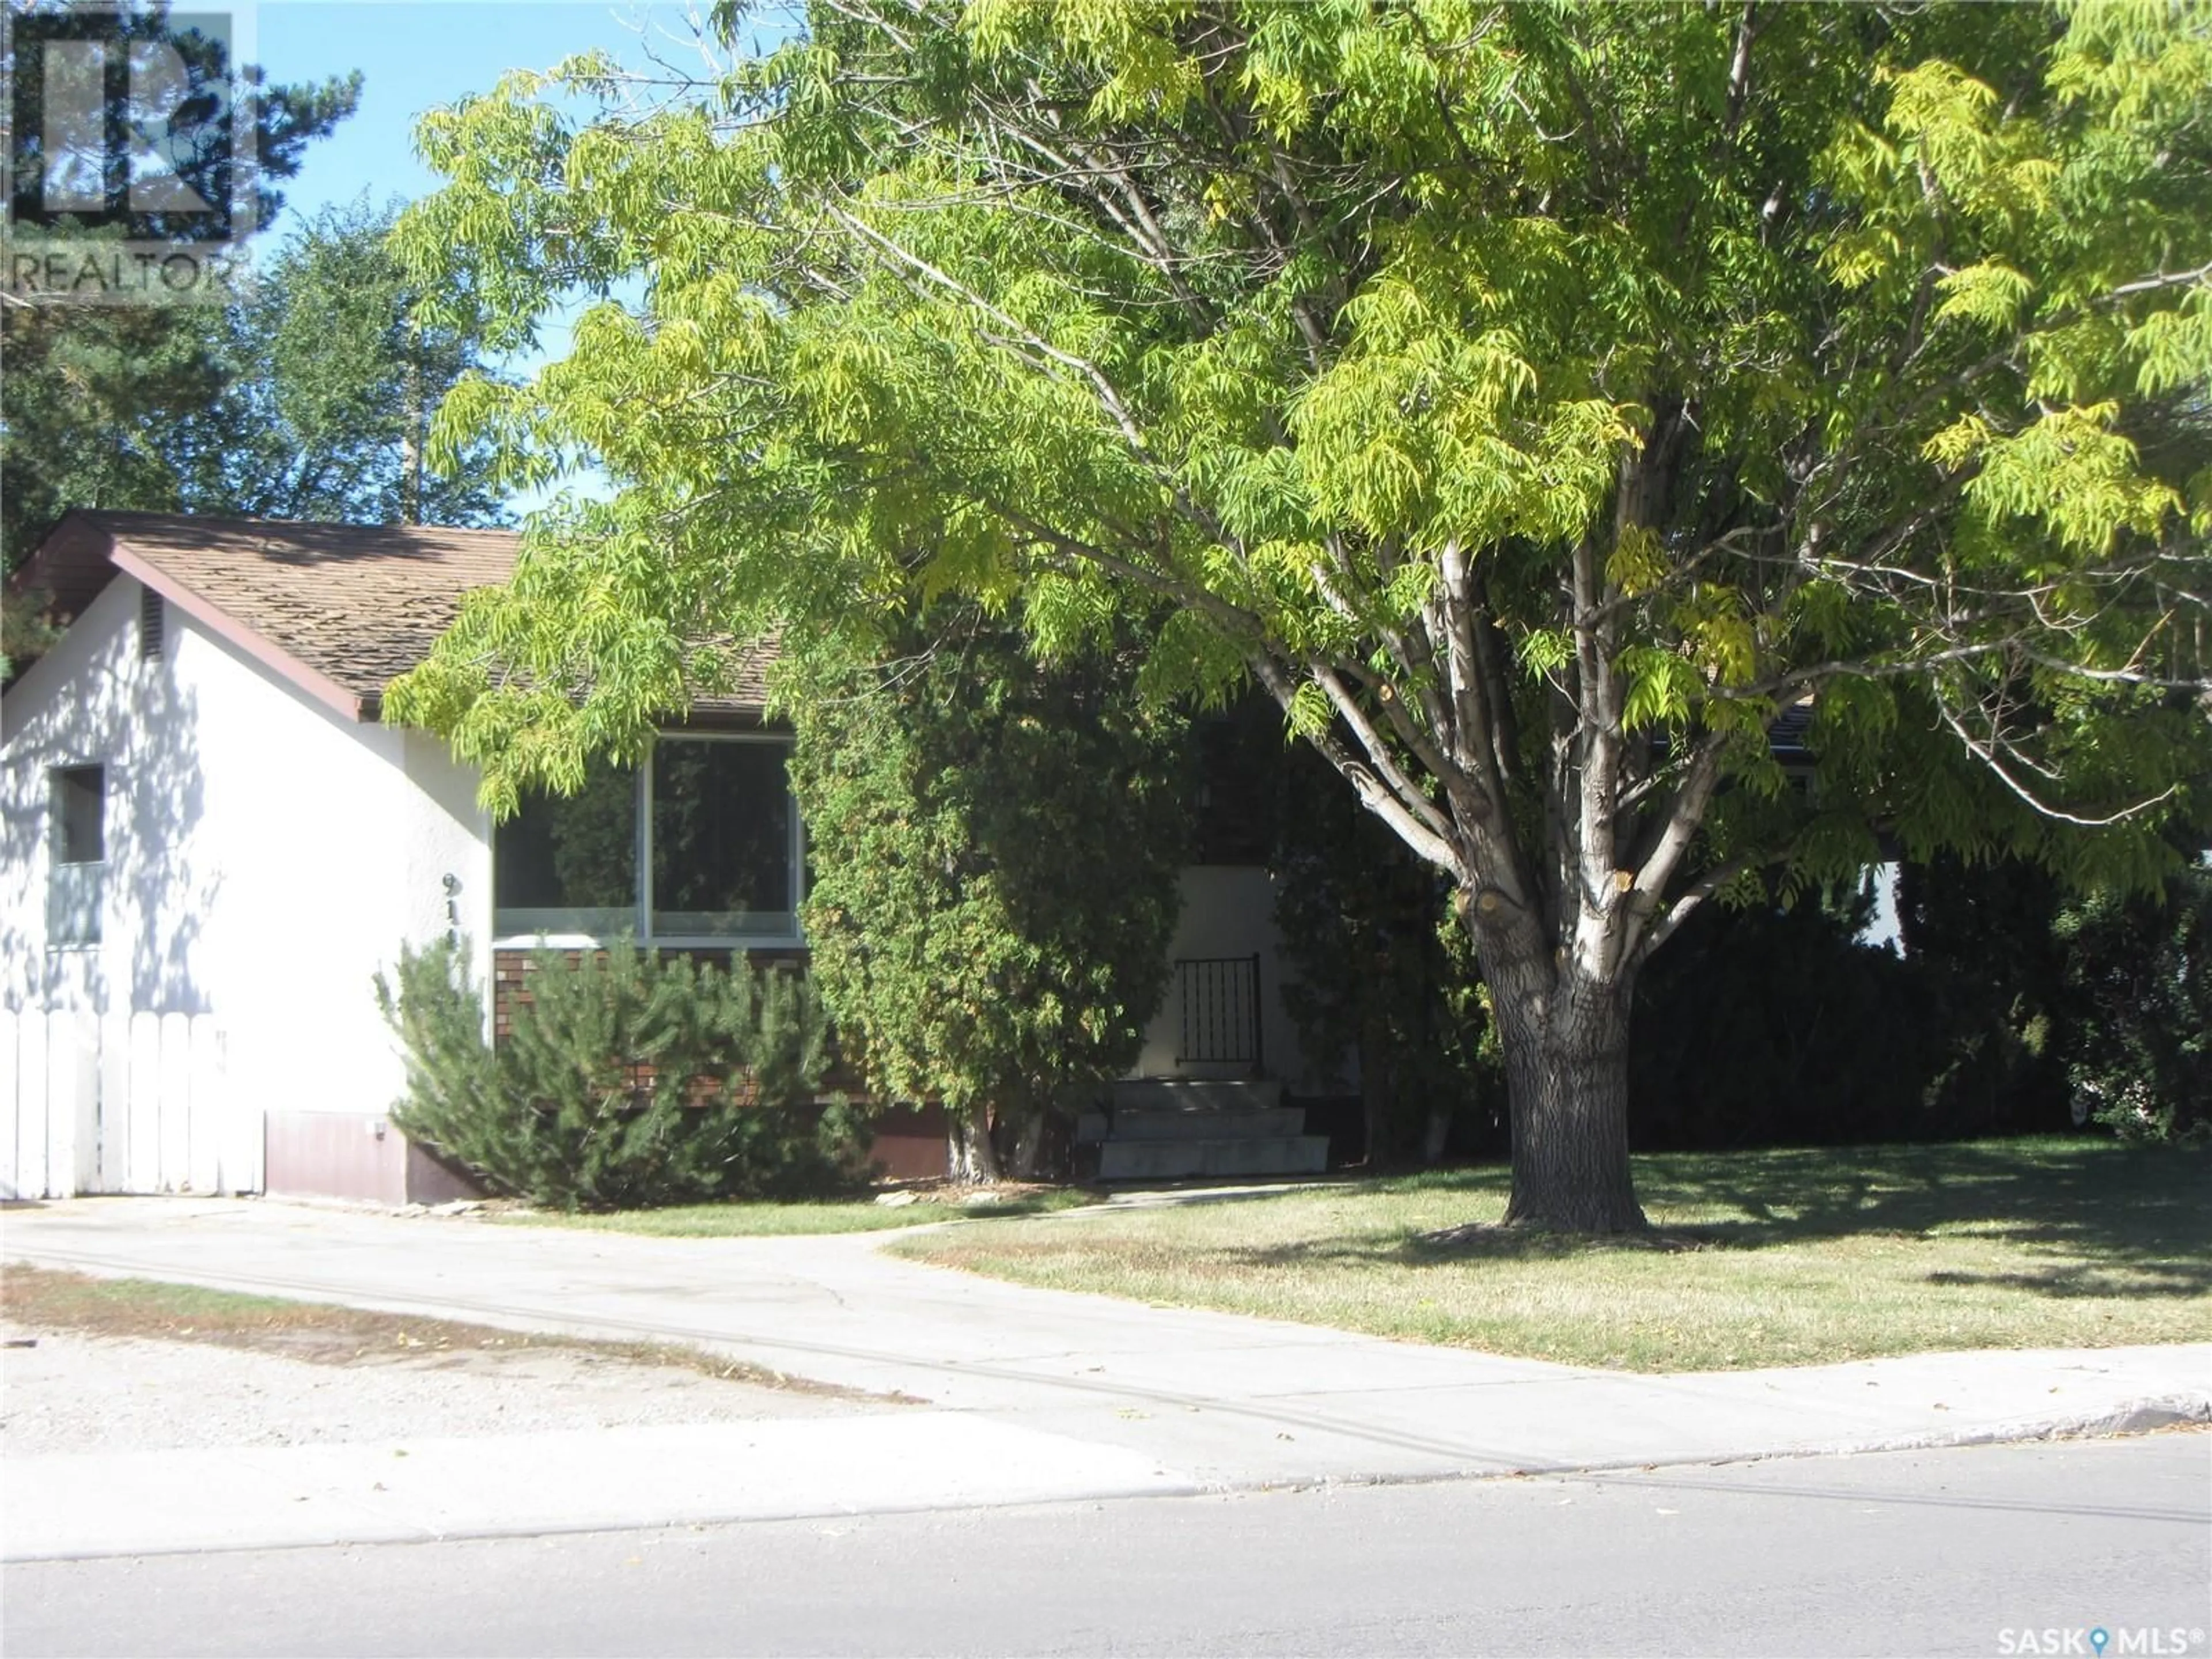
(1229, 910)
(266, 855)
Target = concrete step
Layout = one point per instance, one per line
(1152, 1094)
(1171, 1160)
(1191, 1123)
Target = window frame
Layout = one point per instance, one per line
(92, 905)
(642, 832)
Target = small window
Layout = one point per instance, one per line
(80, 814)
(78, 832)
(152, 620)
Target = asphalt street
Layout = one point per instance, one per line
(1980, 1550)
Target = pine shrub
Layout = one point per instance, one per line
(627, 1079)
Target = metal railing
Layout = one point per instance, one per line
(1220, 1001)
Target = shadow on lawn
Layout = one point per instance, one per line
(2110, 1221)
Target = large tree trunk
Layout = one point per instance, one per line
(1026, 1134)
(970, 1155)
(1565, 1042)
(1022, 1163)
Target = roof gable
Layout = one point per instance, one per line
(338, 610)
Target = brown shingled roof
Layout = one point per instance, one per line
(340, 609)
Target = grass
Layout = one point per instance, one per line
(320, 1333)
(1775, 1258)
(862, 1215)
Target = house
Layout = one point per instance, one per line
(213, 843)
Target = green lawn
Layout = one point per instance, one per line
(1770, 1258)
(764, 1220)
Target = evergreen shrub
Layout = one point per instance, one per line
(996, 841)
(2138, 974)
(627, 1079)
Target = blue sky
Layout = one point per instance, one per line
(418, 55)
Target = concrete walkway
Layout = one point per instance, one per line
(1030, 1394)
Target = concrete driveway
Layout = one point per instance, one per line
(1030, 1394)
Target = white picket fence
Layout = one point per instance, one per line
(121, 1103)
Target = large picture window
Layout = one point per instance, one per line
(724, 856)
(700, 845)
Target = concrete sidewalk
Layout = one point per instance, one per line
(1037, 1394)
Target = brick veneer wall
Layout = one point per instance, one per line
(511, 971)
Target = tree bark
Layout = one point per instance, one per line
(970, 1155)
(1565, 1042)
(1028, 1141)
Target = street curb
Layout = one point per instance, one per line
(367, 1537)
(2147, 1416)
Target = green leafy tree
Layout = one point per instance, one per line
(306, 396)
(93, 394)
(329, 383)
(1536, 401)
(1990, 986)
(1774, 1025)
(2046, 1005)
(2138, 1046)
(995, 842)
